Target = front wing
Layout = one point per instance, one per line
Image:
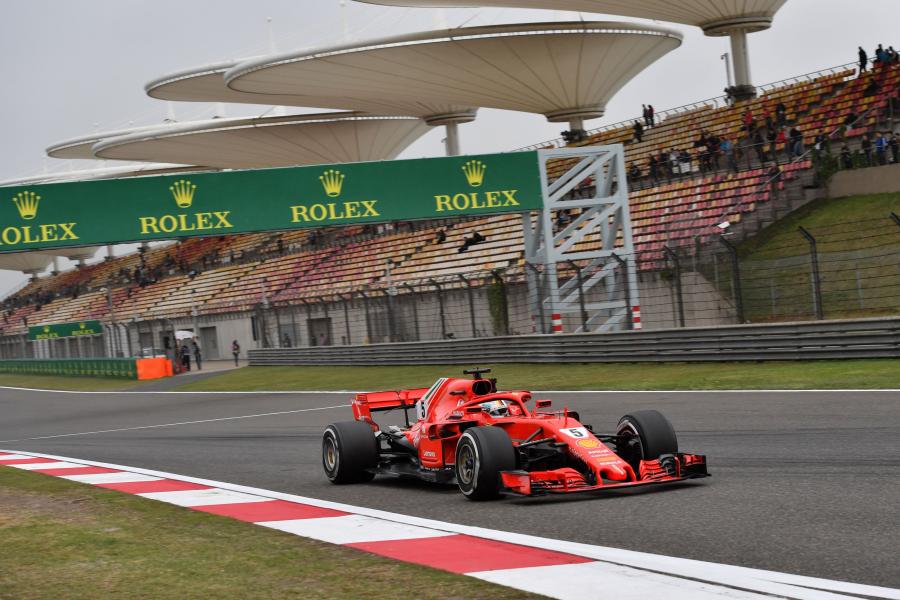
(666, 469)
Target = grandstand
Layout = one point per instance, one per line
(250, 285)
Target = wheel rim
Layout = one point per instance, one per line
(330, 454)
(632, 440)
(465, 465)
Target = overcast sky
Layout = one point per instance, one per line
(72, 67)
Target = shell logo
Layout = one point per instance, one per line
(588, 443)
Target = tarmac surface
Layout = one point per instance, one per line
(803, 482)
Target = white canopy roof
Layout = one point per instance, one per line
(269, 141)
(207, 84)
(716, 17)
(26, 262)
(81, 147)
(561, 70)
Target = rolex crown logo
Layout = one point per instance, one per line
(81, 325)
(474, 170)
(183, 192)
(27, 203)
(46, 329)
(332, 181)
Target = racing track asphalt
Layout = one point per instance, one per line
(803, 482)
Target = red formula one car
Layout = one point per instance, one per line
(490, 443)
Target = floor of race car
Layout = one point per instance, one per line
(803, 482)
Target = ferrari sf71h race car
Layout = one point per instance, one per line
(490, 443)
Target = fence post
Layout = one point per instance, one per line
(415, 309)
(440, 295)
(498, 279)
(346, 302)
(471, 303)
(580, 280)
(279, 338)
(623, 264)
(814, 265)
(679, 299)
(735, 279)
(538, 286)
(368, 318)
(392, 323)
(294, 335)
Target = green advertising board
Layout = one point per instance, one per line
(63, 330)
(123, 368)
(204, 204)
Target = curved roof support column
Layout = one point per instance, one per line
(451, 143)
(740, 56)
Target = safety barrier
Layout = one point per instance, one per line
(859, 338)
(123, 368)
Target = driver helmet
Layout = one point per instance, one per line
(496, 408)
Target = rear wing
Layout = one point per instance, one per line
(365, 404)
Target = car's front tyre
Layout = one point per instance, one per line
(349, 452)
(481, 454)
(645, 435)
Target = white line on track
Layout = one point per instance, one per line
(319, 392)
(282, 412)
(731, 577)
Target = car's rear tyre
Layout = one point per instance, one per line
(349, 452)
(645, 435)
(481, 454)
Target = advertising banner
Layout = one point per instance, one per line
(83, 213)
(63, 330)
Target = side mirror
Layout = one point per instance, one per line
(543, 403)
(474, 410)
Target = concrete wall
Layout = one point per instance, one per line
(873, 180)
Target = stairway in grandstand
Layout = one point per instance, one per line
(238, 273)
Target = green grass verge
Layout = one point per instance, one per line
(53, 382)
(868, 374)
(67, 540)
(857, 244)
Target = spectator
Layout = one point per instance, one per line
(286, 341)
(686, 162)
(894, 145)
(758, 143)
(441, 236)
(781, 114)
(881, 56)
(185, 357)
(646, 114)
(638, 131)
(881, 148)
(280, 245)
(235, 351)
(748, 121)
(727, 149)
(323, 339)
(772, 139)
(195, 348)
(846, 157)
(634, 173)
(654, 169)
(863, 60)
(713, 144)
(652, 115)
(867, 149)
(475, 238)
(796, 139)
(674, 164)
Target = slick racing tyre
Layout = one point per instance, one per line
(349, 452)
(482, 453)
(645, 435)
